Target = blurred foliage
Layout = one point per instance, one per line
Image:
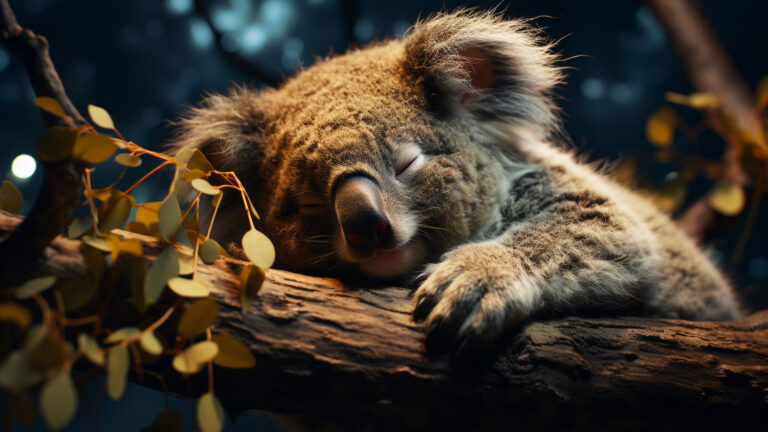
(52, 325)
(743, 162)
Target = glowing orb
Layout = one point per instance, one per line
(23, 166)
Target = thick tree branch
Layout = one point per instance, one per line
(354, 356)
(57, 198)
(235, 60)
(710, 70)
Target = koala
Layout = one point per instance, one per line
(437, 158)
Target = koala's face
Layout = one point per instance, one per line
(378, 161)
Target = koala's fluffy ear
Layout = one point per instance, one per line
(226, 128)
(497, 69)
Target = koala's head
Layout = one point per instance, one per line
(378, 161)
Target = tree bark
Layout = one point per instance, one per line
(57, 199)
(355, 357)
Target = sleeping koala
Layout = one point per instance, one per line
(435, 155)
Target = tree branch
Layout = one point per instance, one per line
(57, 198)
(710, 70)
(354, 356)
(235, 60)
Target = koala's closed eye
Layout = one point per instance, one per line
(410, 167)
(310, 204)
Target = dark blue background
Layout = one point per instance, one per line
(144, 60)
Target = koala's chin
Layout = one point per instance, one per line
(395, 263)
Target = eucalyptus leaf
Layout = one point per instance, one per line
(58, 401)
(197, 317)
(169, 216)
(101, 117)
(10, 198)
(232, 353)
(259, 249)
(192, 359)
(210, 414)
(165, 267)
(188, 287)
(117, 371)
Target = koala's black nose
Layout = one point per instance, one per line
(359, 209)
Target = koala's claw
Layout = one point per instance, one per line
(466, 308)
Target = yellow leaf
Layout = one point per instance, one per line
(93, 148)
(34, 286)
(97, 243)
(188, 287)
(16, 314)
(232, 353)
(197, 317)
(728, 198)
(210, 414)
(91, 349)
(203, 186)
(694, 100)
(52, 106)
(198, 161)
(186, 265)
(136, 227)
(124, 246)
(117, 371)
(151, 344)
(115, 211)
(251, 280)
(122, 334)
(192, 359)
(10, 198)
(147, 214)
(660, 127)
(165, 267)
(58, 401)
(259, 249)
(192, 175)
(56, 143)
(101, 117)
(126, 159)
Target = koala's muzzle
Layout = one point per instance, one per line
(361, 217)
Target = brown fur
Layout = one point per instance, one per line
(514, 227)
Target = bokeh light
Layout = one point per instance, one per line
(23, 166)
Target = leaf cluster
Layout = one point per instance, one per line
(51, 321)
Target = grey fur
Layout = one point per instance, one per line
(514, 227)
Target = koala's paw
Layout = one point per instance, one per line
(470, 298)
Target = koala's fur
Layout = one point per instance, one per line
(503, 224)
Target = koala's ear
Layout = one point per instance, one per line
(226, 128)
(497, 69)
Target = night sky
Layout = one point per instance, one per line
(145, 60)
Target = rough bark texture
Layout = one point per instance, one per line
(57, 198)
(354, 356)
(710, 70)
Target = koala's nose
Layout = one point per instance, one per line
(363, 222)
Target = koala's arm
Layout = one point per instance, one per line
(569, 241)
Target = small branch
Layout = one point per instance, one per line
(349, 13)
(710, 70)
(19, 253)
(240, 63)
